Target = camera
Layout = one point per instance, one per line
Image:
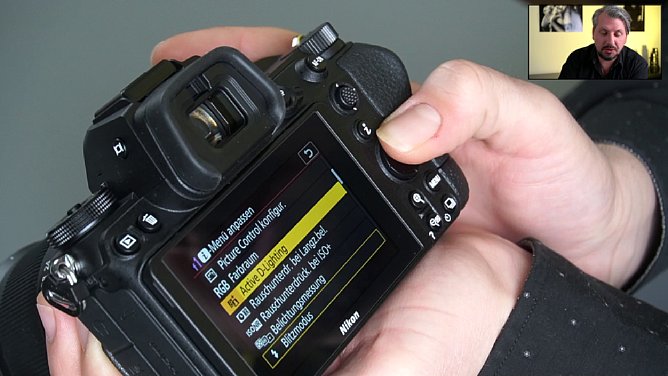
(245, 219)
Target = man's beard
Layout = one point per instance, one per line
(607, 57)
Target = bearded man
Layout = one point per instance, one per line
(607, 57)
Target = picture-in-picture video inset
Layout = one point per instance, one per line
(595, 42)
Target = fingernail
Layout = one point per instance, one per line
(48, 318)
(155, 49)
(410, 128)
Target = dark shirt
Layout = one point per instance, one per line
(583, 63)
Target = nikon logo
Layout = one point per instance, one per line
(345, 327)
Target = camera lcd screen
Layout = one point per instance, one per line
(287, 264)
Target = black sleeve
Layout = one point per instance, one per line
(634, 115)
(569, 69)
(568, 323)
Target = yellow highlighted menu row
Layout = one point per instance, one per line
(282, 249)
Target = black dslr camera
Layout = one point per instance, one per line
(246, 222)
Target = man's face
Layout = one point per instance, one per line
(609, 37)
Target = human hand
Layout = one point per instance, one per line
(532, 171)
(71, 349)
(433, 323)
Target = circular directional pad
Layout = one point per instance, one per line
(396, 169)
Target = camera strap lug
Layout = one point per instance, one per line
(62, 288)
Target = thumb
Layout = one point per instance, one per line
(461, 100)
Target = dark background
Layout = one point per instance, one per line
(60, 61)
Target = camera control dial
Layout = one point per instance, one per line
(80, 219)
(318, 40)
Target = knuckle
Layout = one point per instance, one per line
(461, 77)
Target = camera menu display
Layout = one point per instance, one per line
(268, 270)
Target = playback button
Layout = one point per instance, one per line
(127, 244)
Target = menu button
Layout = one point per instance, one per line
(434, 181)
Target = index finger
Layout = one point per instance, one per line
(254, 42)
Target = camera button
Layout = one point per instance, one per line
(417, 200)
(363, 130)
(449, 203)
(315, 64)
(120, 148)
(147, 222)
(395, 169)
(127, 244)
(312, 69)
(434, 221)
(434, 181)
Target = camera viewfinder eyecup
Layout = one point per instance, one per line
(194, 130)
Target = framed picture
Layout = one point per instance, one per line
(558, 18)
(637, 13)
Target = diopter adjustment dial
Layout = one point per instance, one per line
(318, 40)
(80, 219)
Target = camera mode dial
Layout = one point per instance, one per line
(80, 219)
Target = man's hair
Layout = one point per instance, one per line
(613, 12)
